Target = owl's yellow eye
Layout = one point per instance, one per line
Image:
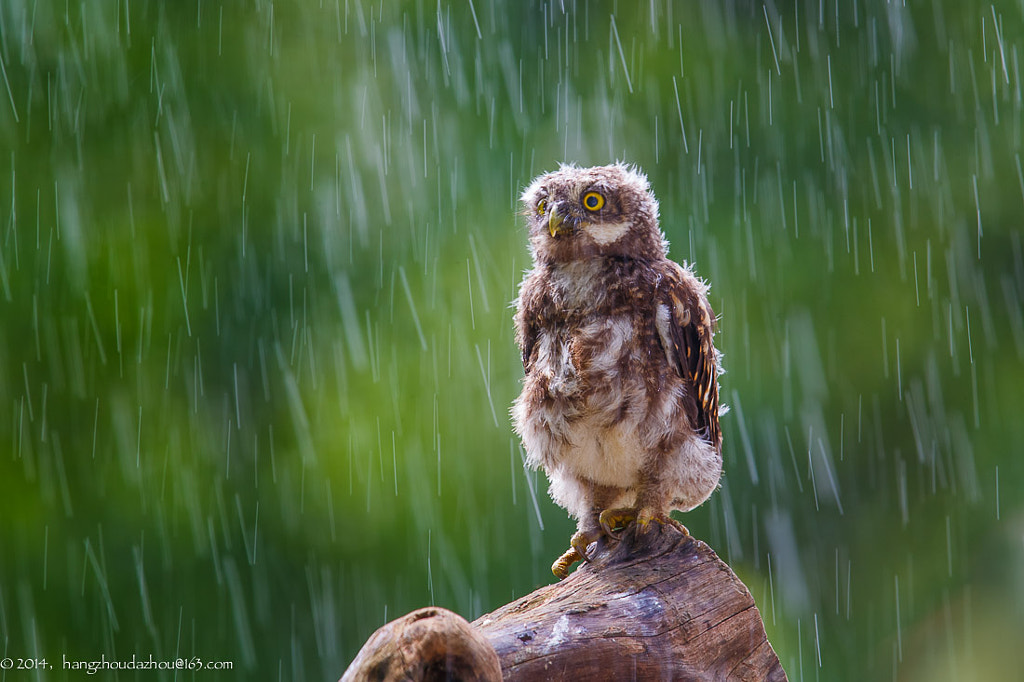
(542, 206)
(593, 201)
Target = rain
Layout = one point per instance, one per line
(256, 360)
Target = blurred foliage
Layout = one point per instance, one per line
(255, 275)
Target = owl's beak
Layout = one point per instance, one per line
(556, 222)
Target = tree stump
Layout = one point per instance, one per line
(655, 606)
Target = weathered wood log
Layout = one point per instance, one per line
(653, 606)
(657, 606)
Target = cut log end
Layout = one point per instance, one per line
(659, 605)
(428, 644)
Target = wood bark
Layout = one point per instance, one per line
(653, 606)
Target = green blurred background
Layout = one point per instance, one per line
(255, 272)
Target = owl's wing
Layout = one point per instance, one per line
(527, 336)
(527, 316)
(686, 325)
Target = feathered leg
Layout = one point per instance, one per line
(589, 530)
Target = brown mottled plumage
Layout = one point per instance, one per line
(620, 398)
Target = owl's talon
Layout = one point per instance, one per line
(613, 521)
(644, 518)
(562, 564)
(581, 540)
(678, 525)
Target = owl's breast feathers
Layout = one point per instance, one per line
(604, 338)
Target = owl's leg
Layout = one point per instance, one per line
(653, 503)
(589, 529)
(614, 521)
(654, 496)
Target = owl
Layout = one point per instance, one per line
(620, 395)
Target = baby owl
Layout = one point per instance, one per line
(620, 397)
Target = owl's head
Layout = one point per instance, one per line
(580, 213)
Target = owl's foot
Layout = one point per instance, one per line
(578, 552)
(563, 563)
(581, 540)
(679, 525)
(614, 521)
